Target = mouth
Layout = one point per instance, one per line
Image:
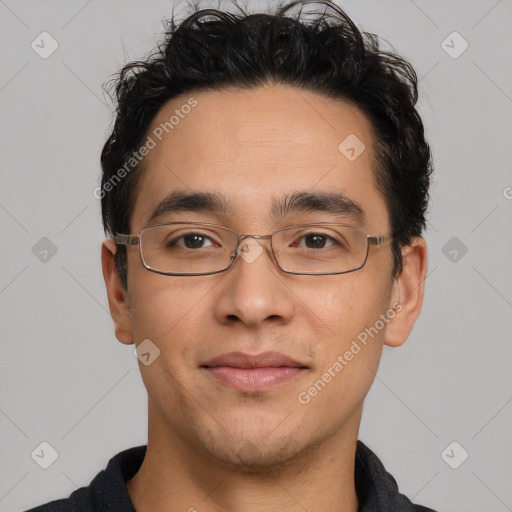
(253, 373)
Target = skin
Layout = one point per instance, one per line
(211, 447)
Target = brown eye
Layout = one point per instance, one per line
(191, 241)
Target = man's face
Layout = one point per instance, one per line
(254, 147)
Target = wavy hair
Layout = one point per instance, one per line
(322, 51)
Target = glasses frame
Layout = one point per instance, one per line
(133, 240)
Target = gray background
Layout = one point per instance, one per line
(66, 380)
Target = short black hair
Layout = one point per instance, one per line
(321, 51)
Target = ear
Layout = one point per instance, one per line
(407, 293)
(118, 300)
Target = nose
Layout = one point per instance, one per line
(254, 291)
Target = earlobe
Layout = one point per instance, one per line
(408, 292)
(118, 300)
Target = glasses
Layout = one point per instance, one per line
(201, 248)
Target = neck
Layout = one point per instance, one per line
(177, 476)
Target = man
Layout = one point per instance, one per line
(264, 191)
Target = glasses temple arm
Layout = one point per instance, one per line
(379, 240)
(126, 239)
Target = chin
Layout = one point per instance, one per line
(257, 459)
(252, 451)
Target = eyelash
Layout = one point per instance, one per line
(175, 240)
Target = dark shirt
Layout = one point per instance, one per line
(376, 489)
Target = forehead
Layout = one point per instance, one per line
(257, 146)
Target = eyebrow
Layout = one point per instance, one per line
(297, 202)
(329, 202)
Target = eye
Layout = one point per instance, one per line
(192, 241)
(317, 241)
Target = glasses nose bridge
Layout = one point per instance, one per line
(241, 238)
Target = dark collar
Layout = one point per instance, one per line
(376, 489)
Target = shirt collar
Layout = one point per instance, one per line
(376, 489)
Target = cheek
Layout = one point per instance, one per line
(167, 313)
(348, 303)
(348, 357)
(174, 316)
(164, 305)
(349, 354)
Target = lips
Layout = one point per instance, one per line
(253, 373)
(246, 361)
